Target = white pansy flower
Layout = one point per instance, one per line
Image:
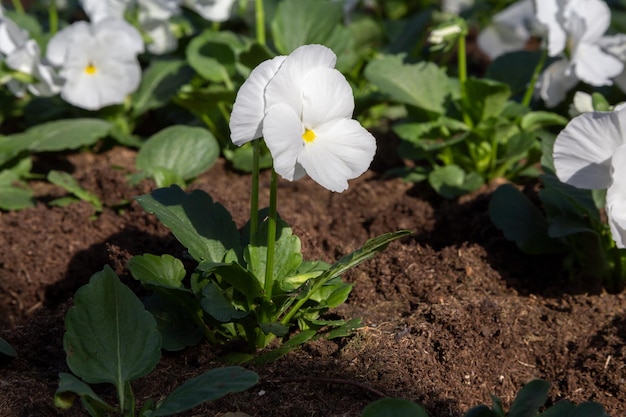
(302, 106)
(509, 30)
(590, 153)
(456, 6)
(98, 10)
(22, 54)
(98, 62)
(576, 27)
(212, 10)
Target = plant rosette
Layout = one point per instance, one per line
(253, 283)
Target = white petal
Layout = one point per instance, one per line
(282, 131)
(62, 43)
(111, 83)
(342, 150)
(547, 12)
(616, 198)
(326, 96)
(118, 38)
(288, 83)
(596, 67)
(246, 119)
(213, 10)
(162, 40)
(583, 150)
(596, 17)
(556, 81)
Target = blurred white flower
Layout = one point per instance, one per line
(22, 54)
(590, 153)
(575, 31)
(98, 10)
(509, 30)
(303, 106)
(212, 10)
(98, 62)
(456, 6)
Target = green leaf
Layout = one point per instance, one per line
(209, 386)
(480, 411)
(423, 85)
(204, 227)
(109, 336)
(184, 150)
(287, 253)
(538, 119)
(487, 98)
(291, 344)
(515, 69)
(218, 306)
(393, 407)
(175, 312)
(14, 195)
(69, 184)
(235, 275)
(159, 83)
(6, 348)
(529, 399)
(70, 387)
(211, 57)
(565, 408)
(65, 134)
(520, 220)
(298, 23)
(451, 181)
(157, 271)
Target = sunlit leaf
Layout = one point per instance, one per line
(203, 226)
(185, 151)
(422, 85)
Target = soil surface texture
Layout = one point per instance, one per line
(451, 315)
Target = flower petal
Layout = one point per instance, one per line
(547, 12)
(556, 81)
(282, 131)
(342, 150)
(596, 67)
(289, 81)
(595, 16)
(583, 150)
(616, 197)
(246, 119)
(326, 96)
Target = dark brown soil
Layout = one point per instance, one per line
(451, 315)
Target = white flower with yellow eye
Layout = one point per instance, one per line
(97, 61)
(302, 107)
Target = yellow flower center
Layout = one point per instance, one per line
(90, 69)
(308, 136)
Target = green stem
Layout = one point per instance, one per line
(617, 279)
(271, 238)
(260, 22)
(53, 18)
(462, 70)
(254, 198)
(528, 95)
(17, 5)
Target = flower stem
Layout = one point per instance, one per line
(462, 71)
(271, 238)
(254, 198)
(17, 5)
(528, 95)
(53, 18)
(256, 146)
(260, 22)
